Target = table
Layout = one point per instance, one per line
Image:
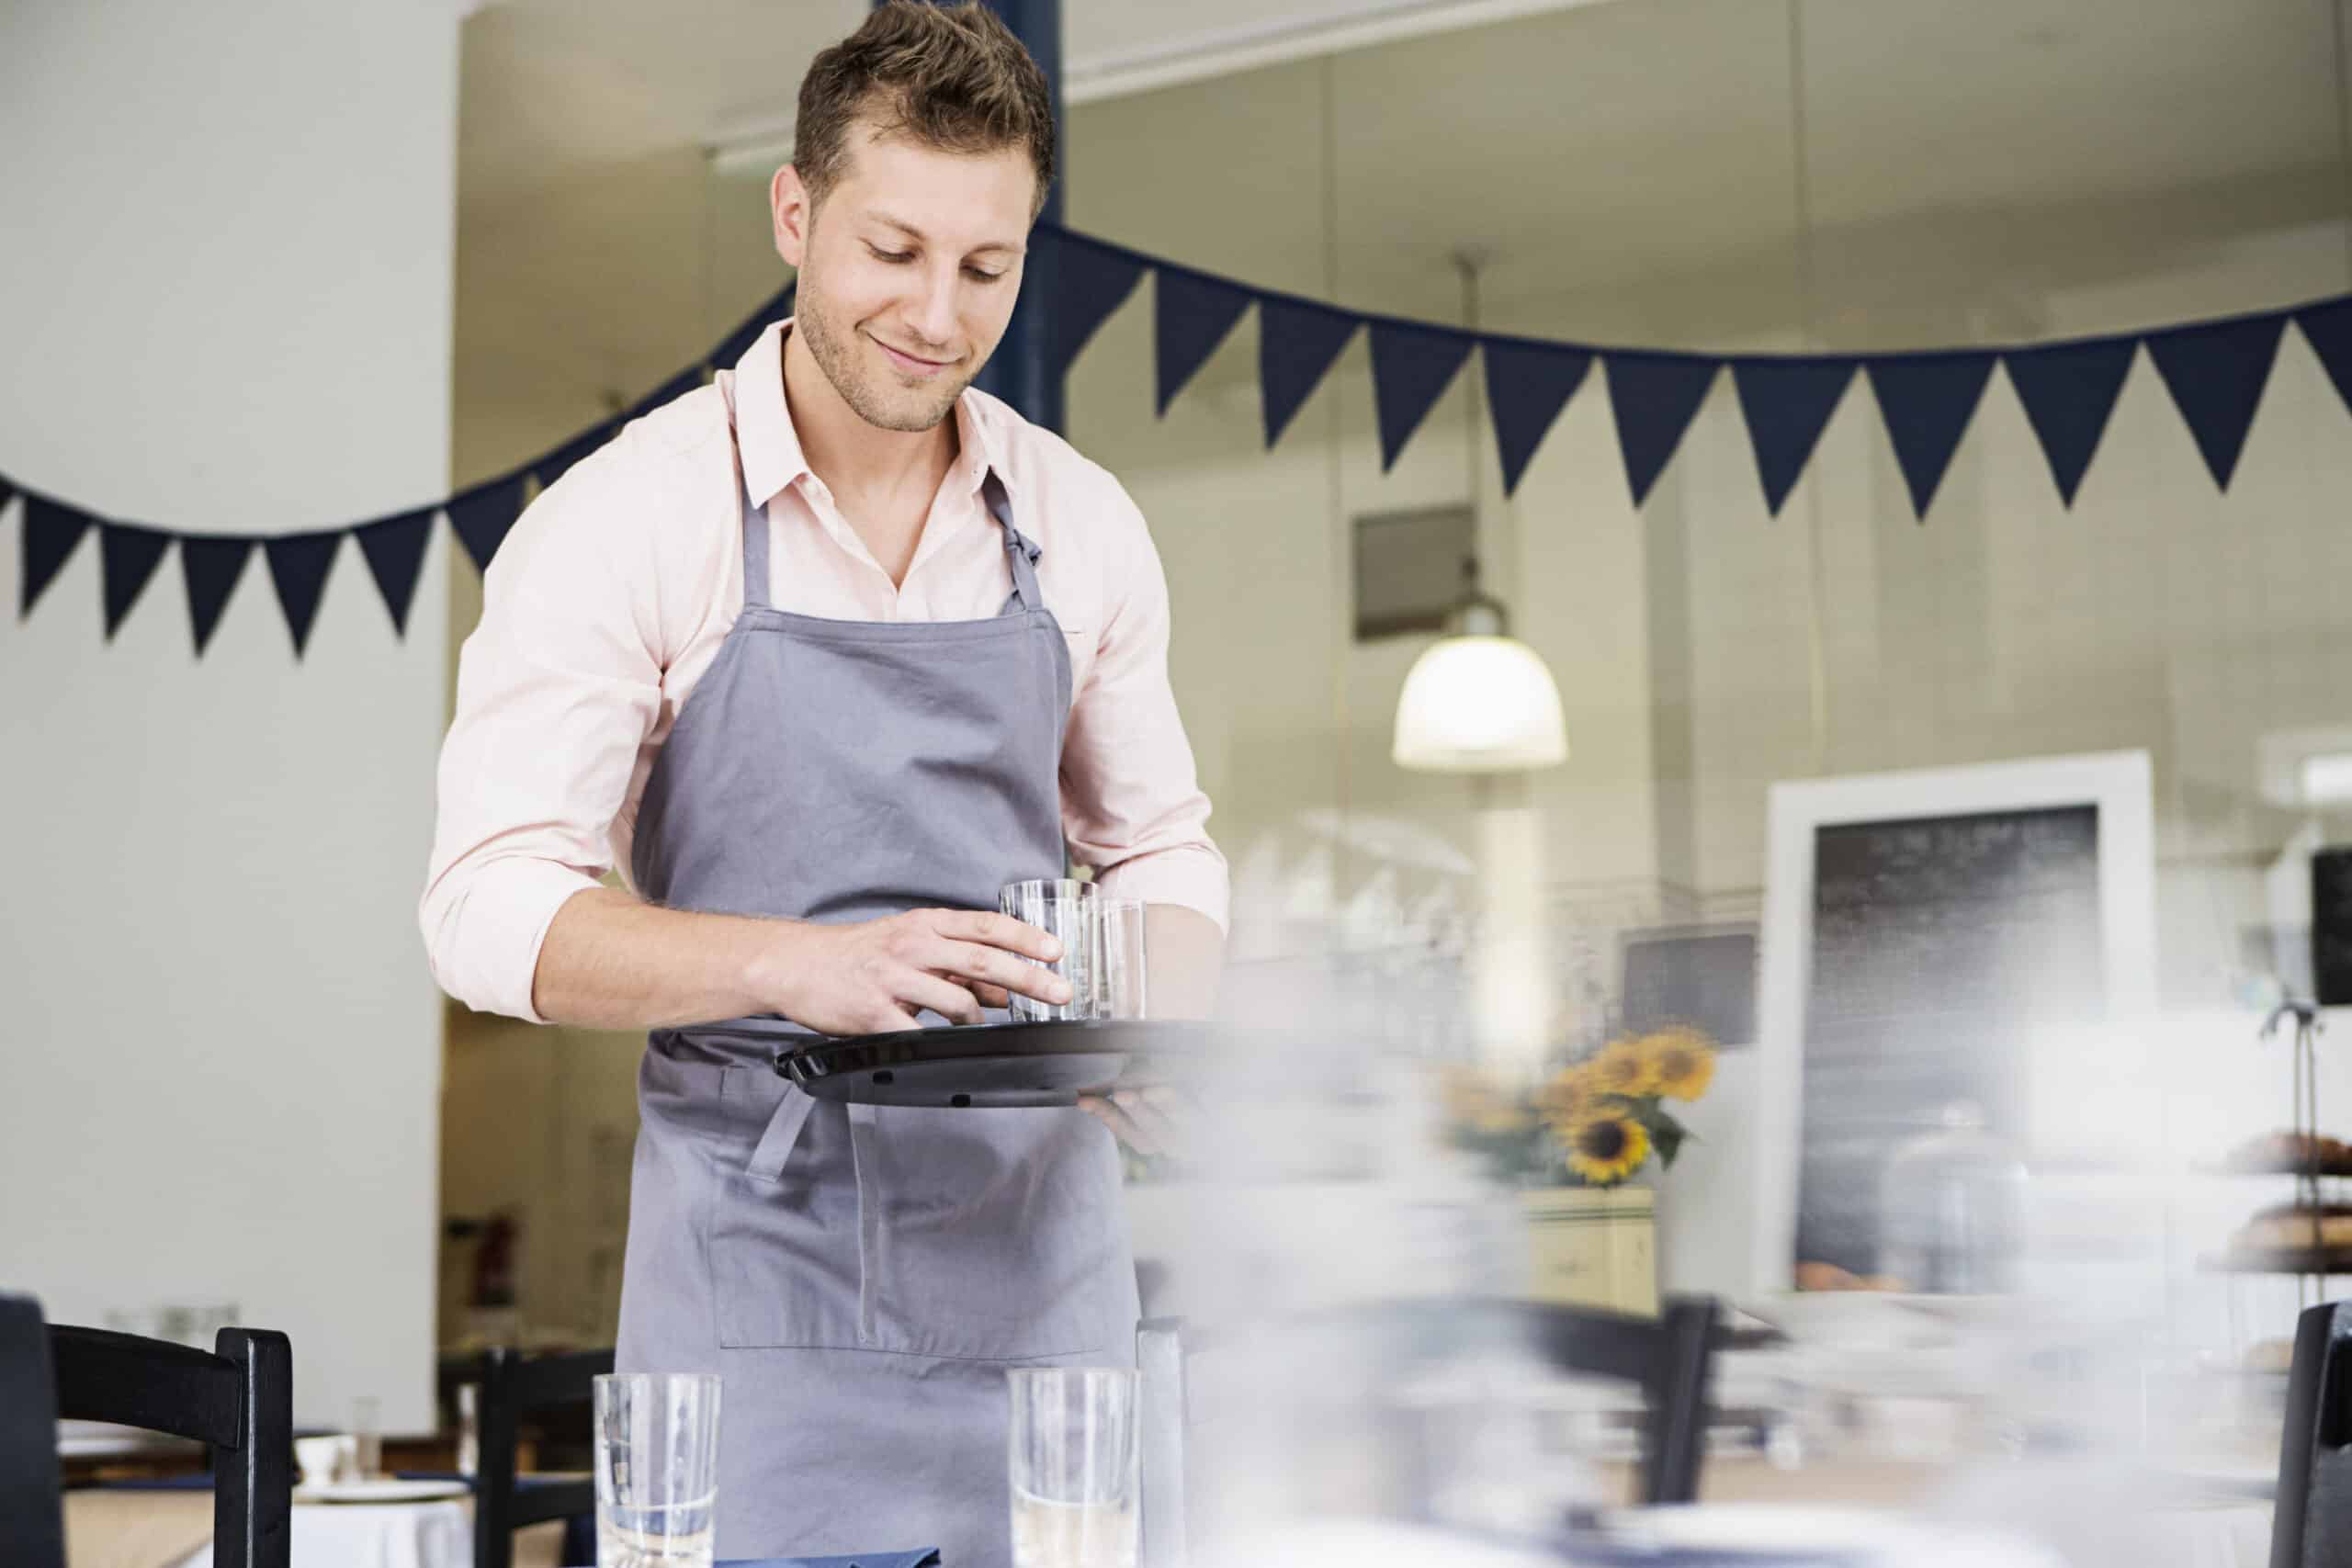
(111, 1527)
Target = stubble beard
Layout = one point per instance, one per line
(837, 361)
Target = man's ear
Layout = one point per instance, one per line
(792, 207)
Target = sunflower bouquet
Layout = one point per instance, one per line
(1594, 1121)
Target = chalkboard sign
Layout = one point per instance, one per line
(2332, 927)
(1941, 945)
(1702, 975)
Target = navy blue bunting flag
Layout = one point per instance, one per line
(210, 566)
(1927, 400)
(1090, 280)
(2216, 372)
(1787, 404)
(128, 557)
(1411, 367)
(2068, 390)
(51, 528)
(482, 515)
(2328, 328)
(1192, 313)
(7, 492)
(394, 550)
(1655, 397)
(1297, 341)
(1527, 386)
(298, 570)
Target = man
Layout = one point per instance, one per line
(825, 654)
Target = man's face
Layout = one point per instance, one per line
(908, 272)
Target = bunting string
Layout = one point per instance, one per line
(2214, 371)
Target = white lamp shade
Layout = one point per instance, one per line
(1474, 705)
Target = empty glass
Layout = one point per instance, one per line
(657, 1469)
(1064, 907)
(367, 1434)
(1119, 967)
(1072, 1462)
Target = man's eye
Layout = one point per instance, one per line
(977, 276)
(893, 257)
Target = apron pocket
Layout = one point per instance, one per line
(784, 1223)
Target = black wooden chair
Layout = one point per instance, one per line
(239, 1399)
(2311, 1525)
(1669, 1358)
(513, 1385)
(31, 1500)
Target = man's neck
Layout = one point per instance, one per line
(867, 468)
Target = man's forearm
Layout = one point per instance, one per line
(1185, 954)
(612, 961)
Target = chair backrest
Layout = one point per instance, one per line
(2311, 1524)
(512, 1384)
(238, 1398)
(31, 1502)
(1670, 1358)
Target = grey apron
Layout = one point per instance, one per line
(860, 1277)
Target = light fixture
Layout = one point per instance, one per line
(1478, 700)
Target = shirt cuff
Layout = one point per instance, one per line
(486, 952)
(1192, 876)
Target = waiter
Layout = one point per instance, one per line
(824, 654)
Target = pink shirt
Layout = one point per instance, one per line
(612, 594)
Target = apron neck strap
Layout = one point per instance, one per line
(1020, 553)
(755, 551)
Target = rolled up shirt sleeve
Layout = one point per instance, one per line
(558, 688)
(1131, 804)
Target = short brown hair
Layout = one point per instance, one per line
(951, 78)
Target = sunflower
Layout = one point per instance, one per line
(1566, 1096)
(1623, 1069)
(1607, 1146)
(1682, 1061)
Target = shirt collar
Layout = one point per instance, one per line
(770, 447)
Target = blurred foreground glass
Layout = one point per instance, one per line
(367, 1437)
(1064, 908)
(1072, 1462)
(657, 1469)
(1119, 958)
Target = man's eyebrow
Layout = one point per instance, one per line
(913, 232)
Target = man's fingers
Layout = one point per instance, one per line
(999, 930)
(945, 997)
(972, 961)
(1120, 1124)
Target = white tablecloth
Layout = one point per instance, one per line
(375, 1535)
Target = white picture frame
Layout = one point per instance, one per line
(2117, 784)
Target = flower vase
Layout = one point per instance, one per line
(1593, 1247)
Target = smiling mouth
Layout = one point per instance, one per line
(910, 362)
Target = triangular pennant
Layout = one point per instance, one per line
(553, 466)
(2216, 372)
(2327, 328)
(1090, 281)
(1927, 400)
(1655, 398)
(1411, 366)
(482, 515)
(298, 570)
(669, 392)
(52, 529)
(2068, 390)
(1527, 386)
(1787, 402)
(128, 557)
(394, 550)
(211, 567)
(1192, 313)
(7, 491)
(1297, 341)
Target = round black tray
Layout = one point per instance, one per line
(993, 1064)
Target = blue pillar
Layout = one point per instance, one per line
(1018, 372)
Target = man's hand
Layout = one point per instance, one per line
(1156, 1122)
(873, 977)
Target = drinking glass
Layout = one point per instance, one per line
(1072, 1465)
(367, 1438)
(1064, 908)
(1119, 958)
(657, 1469)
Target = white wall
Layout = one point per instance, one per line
(226, 296)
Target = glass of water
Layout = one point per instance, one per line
(1072, 1464)
(657, 1469)
(1064, 908)
(1119, 967)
